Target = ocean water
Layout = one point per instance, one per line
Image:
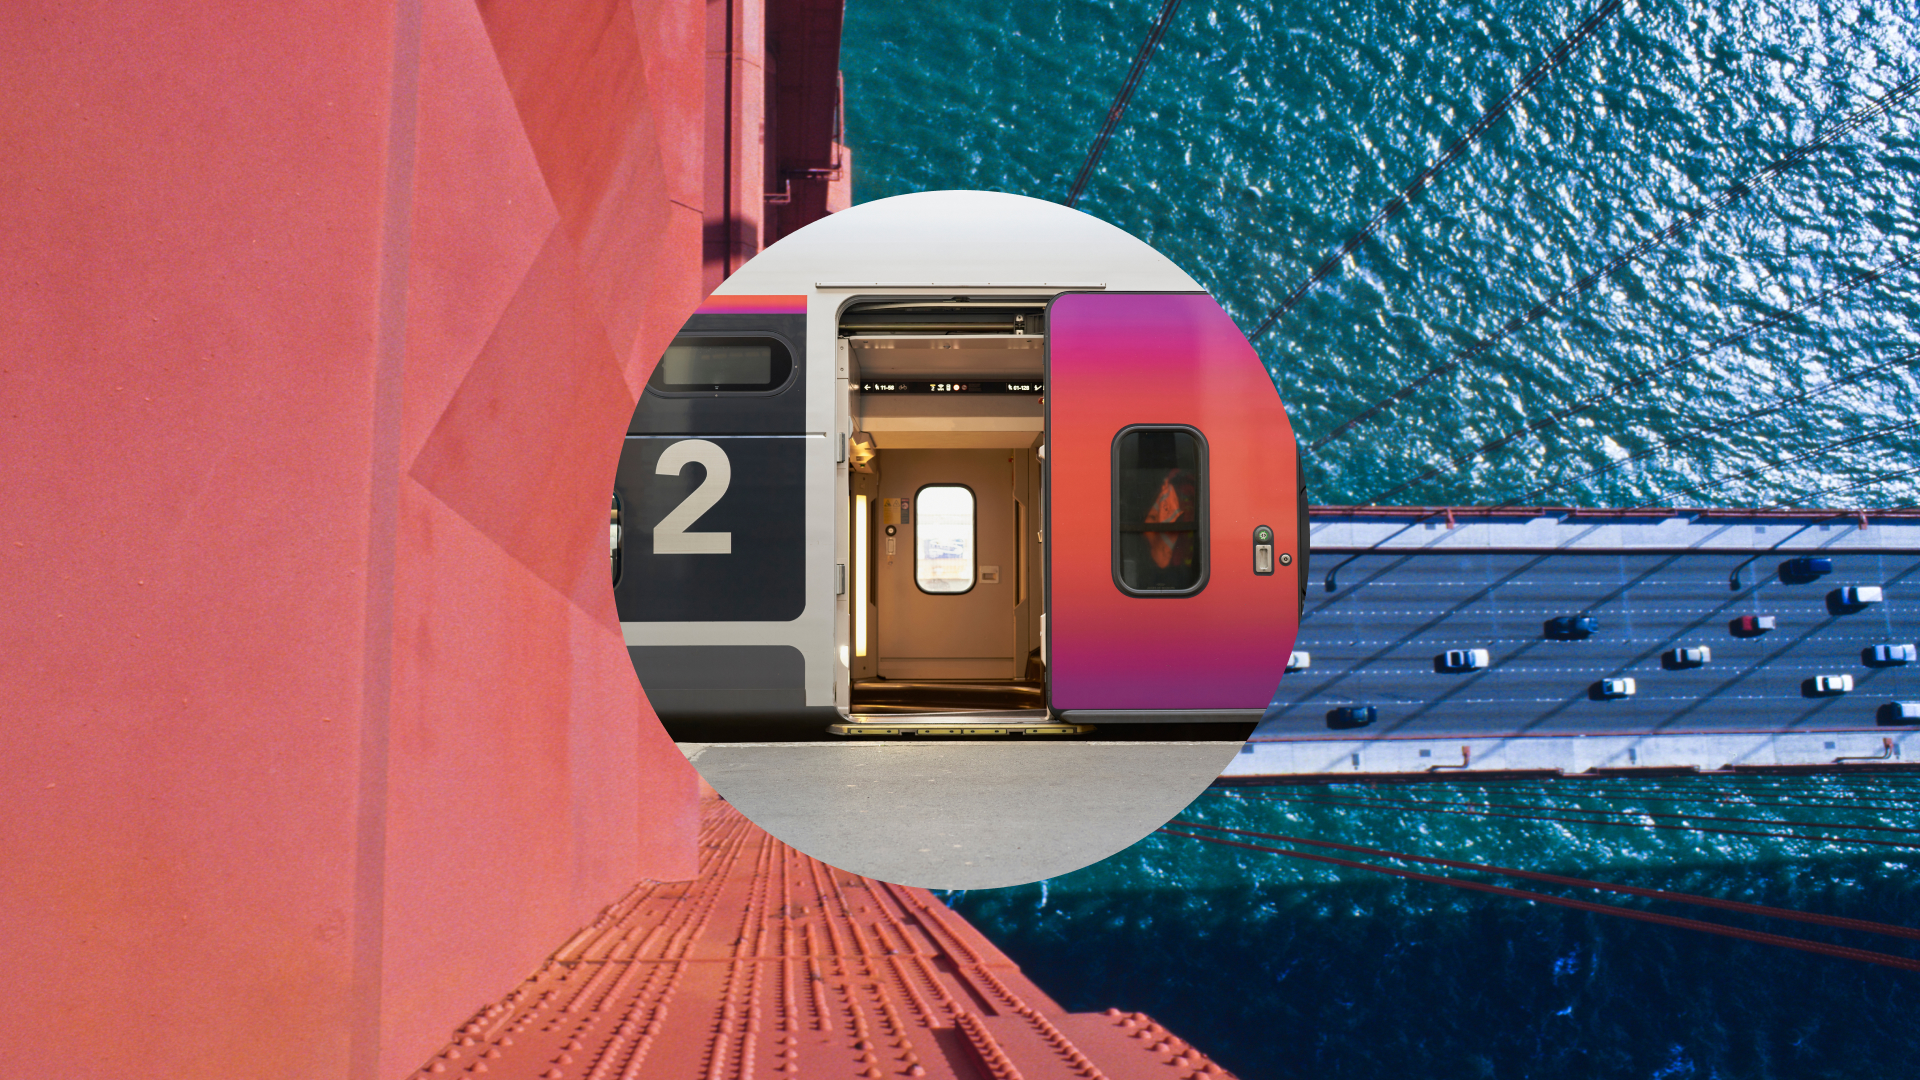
(1746, 361)
(1264, 135)
(1279, 967)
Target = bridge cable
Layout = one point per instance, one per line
(1837, 444)
(1869, 482)
(1120, 100)
(1643, 824)
(1421, 804)
(1692, 792)
(1801, 944)
(1557, 417)
(1736, 192)
(1839, 922)
(1439, 165)
(1708, 429)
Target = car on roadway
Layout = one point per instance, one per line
(1352, 716)
(1691, 657)
(1752, 625)
(1889, 655)
(1857, 596)
(1609, 689)
(1829, 685)
(1900, 712)
(1299, 661)
(1458, 660)
(1806, 568)
(1572, 627)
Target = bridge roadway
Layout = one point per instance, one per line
(1406, 590)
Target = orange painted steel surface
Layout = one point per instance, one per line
(324, 324)
(774, 964)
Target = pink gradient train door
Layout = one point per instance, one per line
(1175, 532)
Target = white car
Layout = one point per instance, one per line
(1833, 684)
(1694, 657)
(1465, 659)
(1857, 596)
(1891, 654)
(1299, 661)
(1615, 688)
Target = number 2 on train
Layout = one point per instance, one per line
(671, 537)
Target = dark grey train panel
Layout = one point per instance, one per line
(719, 682)
(782, 411)
(716, 533)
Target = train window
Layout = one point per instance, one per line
(943, 538)
(1159, 511)
(699, 364)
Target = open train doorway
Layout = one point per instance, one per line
(946, 401)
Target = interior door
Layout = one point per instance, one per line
(1168, 451)
(946, 617)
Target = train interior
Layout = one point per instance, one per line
(946, 589)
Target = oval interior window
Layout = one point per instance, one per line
(943, 538)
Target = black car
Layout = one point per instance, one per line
(1572, 627)
(1352, 716)
(1806, 568)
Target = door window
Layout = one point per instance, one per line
(1159, 511)
(943, 538)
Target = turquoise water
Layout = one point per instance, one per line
(1264, 135)
(1284, 968)
(1261, 138)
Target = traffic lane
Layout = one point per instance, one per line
(1572, 577)
(1489, 705)
(1398, 611)
(1554, 697)
(1662, 607)
(1526, 691)
(1649, 606)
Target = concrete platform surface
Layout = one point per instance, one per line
(975, 815)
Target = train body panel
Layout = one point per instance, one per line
(1156, 605)
(833, 496)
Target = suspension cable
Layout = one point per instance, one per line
(1735, 192)
(1839, 951)
(1559, 416)
(1696, 788)
(1869, 482)
(1890, 429)
(1368, 804)
(1120, 100)
(1424, 803)
(1837, 921)
(1708, 429)
(1439, 165)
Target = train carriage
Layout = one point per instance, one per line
(952, 462)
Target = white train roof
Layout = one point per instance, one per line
(987, 241)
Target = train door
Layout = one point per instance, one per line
(1175, 555)
(711, 560)
(945, 404)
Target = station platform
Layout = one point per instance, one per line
(962, 814)
(774, 964)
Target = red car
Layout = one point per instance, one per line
(1752, 624)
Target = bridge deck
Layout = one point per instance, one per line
(1390, 592)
